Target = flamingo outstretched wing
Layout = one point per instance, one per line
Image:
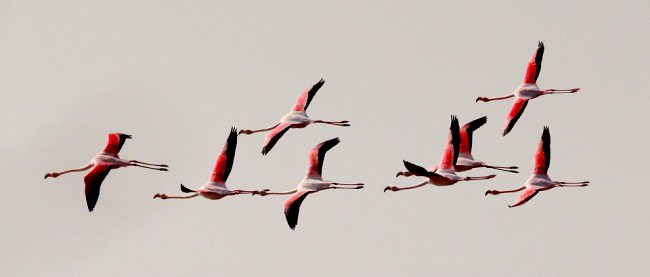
(273, 137)
(115, 143)
(528, 194)
(317, 157)
(292, 207)
(93, 181)
(535, 65)
(543, 154)
(305, 98)
(226, 158)
(467, 131)
(514, 115)
(452, 148)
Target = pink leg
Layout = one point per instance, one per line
(335, 187)
(341, 184)
(573, 184)
(138, 162)
(337, 123)
(479, 178)
(161, 169)
(555, 91)
(503, 168)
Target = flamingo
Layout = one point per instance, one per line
(465, 159)
(102, 164)
(444, 173)
(296, 118)
(215, 188)
(527, 90)
(540, 180)
(312, 182)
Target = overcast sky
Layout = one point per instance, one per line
(178, 74)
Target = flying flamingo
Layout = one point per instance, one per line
(443, 174)
(527, 90)
(102, 164)
(539, 181)
(312, 182)
(297, 118)
(465, 159)
(215, 188)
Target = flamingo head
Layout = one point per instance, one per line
(494, 192)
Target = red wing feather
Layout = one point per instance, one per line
(467, 131)
(93, 181)
(317, 157)
(292, 207)
(305, 98)
(514, 115)
(115, 143)
(226, 159)
(452, 148)
(535, 65)
(273, 137)
(524, 197)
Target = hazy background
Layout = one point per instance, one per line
(178, 74)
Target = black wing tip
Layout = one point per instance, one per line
(540, 44)
(546, 133)
(321, 81)
(454, 118)
(185, 189)
(333, 141)
(233, 130)
(476, 123)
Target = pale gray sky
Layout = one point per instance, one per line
(178, 74)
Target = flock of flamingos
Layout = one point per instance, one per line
(457, 155)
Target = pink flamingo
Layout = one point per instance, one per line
(102, 164)
(465, 159)
(215, 188)
(443, 174)
(527, 90)
(540, 180)
(297, 118)
(312, 182)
